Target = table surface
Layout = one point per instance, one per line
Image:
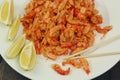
(7, 73)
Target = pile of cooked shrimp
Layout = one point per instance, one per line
(59, 26)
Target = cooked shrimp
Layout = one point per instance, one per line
(85, 65)
(74, 63)
(58, 69)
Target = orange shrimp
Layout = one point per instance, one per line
(48, 53)
(85, 65)
(52, 41)
(60, 51)
(56, 2)
(74, 63)
(31, 14)
(104, 30)
(73, 21)
(97, 19)
(91, 38)
(58, 69)
(66, 45)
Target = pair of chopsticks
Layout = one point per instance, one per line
(94, 47)
(96, 55)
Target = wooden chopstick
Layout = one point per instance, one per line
(94, 47)
(96, 55)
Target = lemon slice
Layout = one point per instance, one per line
(28, 57)
(14, 28)
(16, 47)
(7, 12)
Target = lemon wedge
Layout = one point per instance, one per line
(33, 58)
(16, 47)
(7, 12)
(14, 28)
(28, 57)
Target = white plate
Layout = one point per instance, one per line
(43, 71)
